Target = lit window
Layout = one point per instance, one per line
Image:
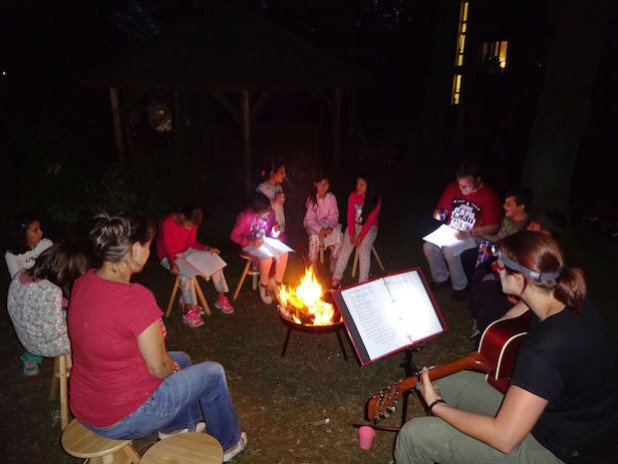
(493, 54)
(456, 89)
(459, 52)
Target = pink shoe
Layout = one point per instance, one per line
(192, 317)
(224, 305)
(335, 284)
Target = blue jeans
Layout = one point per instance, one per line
(176, 404)
(438, 259)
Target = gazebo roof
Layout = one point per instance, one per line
(226, 48)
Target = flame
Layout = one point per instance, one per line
(305, 302)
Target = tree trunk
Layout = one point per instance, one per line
(563, 104)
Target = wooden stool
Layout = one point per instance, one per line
(198, 291)
(80, 442)
(250, 269)
(185, 448)
(60, 378)
(375, 254)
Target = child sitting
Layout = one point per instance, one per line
(321, 220)
(252, 225)
(37, 300)
(363, 207)
(178, 233)
(274, 174)
(26, 243)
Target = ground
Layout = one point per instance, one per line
(301, 408)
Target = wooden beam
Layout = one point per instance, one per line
(246, 138)
(113, 96)
(337, 127)
(227, 105)
(259, 105)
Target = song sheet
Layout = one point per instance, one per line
(447, 236)
(391, 313)
(270, 248)
(199, 262)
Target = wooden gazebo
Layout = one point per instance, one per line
(224, 51)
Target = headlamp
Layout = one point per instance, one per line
(534, 275)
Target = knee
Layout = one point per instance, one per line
(182, 358)
(314, 241)
(413, 437)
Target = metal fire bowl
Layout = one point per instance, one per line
(316, 329)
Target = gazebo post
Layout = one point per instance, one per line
(246, 137)
(113, 96)
(337, 127)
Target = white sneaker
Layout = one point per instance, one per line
(237, 448)
(197, 428)
(265, 295)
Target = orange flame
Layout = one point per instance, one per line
(307, 299)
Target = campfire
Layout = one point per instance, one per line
(305, 305)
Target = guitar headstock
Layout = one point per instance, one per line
(382, 404)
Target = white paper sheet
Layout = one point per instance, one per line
(199, 262)
(271, 248)
(447, 236)
(391, 313)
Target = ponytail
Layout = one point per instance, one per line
(571, 288)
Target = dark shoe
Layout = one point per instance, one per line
(435, 286)
(459, 295)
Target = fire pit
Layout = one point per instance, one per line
(303, 309)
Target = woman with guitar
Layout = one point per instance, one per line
(562, 402)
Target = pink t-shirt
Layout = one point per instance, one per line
(174, 239)
(109, 379)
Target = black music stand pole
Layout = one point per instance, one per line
(410, 370)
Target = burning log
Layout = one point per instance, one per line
(305, 304)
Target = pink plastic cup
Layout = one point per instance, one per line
(365, 437)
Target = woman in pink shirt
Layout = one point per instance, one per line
(363, 207)
(321, 219)
(178, 233)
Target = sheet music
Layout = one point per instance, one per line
(271, 248)
(333, 238)
(446, 236)
(205, 262)
(392, 313)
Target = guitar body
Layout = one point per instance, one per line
(499, 345)
(495, 358)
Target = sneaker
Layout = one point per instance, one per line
(223, 304)
(197, 428)
(192, 307)
(192, 318)
(236, 449)
(30, 368)
(265, 295)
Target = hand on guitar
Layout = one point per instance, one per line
(429, 391)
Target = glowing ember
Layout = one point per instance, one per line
(305, 305)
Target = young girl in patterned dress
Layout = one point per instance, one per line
(37, 302)
(321, 219)
(26, 243)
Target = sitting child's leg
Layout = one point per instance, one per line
(280, 265)
(314, 248)
(342, 259)
(364, 254)
(223, 304)
(265, 266)
(334, 254)
(31, 363)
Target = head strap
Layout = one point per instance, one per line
(534, 275)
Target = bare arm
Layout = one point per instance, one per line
(518, 309)
(519, 412)
(152, 347)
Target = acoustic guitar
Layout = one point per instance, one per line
(495, 357)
